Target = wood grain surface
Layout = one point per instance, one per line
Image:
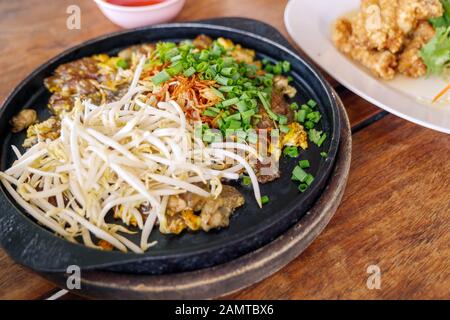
(396, 210)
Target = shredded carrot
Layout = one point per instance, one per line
(442, 93)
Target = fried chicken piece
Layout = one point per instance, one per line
(410, 63)
(410, 12)
(375, 26)
(381, 63)
(386, 24)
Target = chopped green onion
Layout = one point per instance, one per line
(236, 116)
(247, 115)
(228, 72)
(217, 110)
(322, 139)
(246, 181)
(204, 55)
(294, 106)
(252, 137)
(242, 106)
(286, 66)
(218, 93)
(202, 66)
(121, 63)
(282, 119)
(299, 174)
(219, 123)
(324, 155)
(291, 152)
(265, 199)
(317, 137)
(314, 135)
(210, 113)
(278, 68)
(226, 88)
(304, 164)
(161, 77)
(312, 103)
(268, 82)
(266, 106)
(303, 187)
(223, 80)
(300, 116)
(189, 72)
(309, 124)
(175, 69)
(210, 74)
(230, 102)
(253, 103)
(235, 124)
(176, 58)
(314, 116)
(306, 108)
(309, 179)
(241, 135)
(210, 136)
(284, 128)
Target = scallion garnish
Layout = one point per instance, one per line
(210, 113)
(322, 139)
(234, 124)
(161, 77)
(309, 179)
(303, 187)
(312, 103)
(246, 181)
(284, 128)
(266, 105)
(299, 174)
(230, 102)
(121, 63)
(265, 199)
(304, 164)
(282, 119)
(309, 124)
(317, 137)
(314, 116)
(291, 152)
(189, 72)
(223, 80)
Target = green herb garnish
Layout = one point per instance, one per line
(265, 200)
(246, 181)
(121, 63)
(291, 152)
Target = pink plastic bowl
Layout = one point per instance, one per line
(132, 17)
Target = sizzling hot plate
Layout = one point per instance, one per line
(250, 227)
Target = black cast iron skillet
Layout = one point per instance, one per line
(39, 249)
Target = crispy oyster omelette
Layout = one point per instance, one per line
(121, 143)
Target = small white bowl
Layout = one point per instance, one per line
(132, 17)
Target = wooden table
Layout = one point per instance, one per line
(396, 210)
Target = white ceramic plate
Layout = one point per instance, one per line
(309, 22)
